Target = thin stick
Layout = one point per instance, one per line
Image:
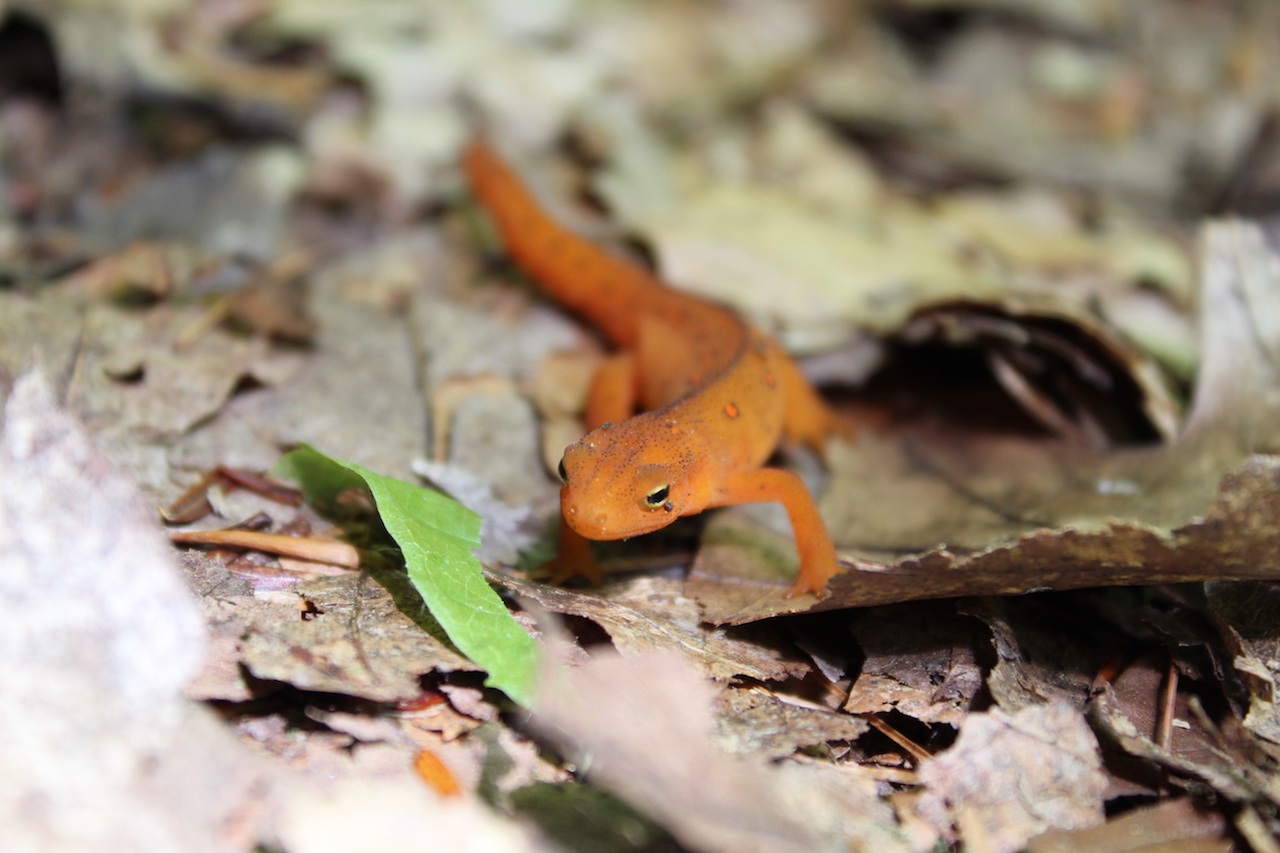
(315, 550)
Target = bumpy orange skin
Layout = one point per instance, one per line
(717, 395)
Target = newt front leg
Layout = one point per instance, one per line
(774, 485)
(573, 558)
(611, 397)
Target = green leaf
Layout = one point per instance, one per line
(436, 535)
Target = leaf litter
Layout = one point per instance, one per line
(1025, 515)
(912, 181)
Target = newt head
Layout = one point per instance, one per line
(630, 478)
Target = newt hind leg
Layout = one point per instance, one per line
(808, 419)
(613, 392)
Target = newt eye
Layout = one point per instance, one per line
(564, 475)
(658, 497)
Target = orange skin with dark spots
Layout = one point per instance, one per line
(717, 395)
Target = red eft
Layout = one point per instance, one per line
(717, 395)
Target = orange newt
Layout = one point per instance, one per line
(717, 395)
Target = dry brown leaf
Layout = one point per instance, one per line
(519, 760)
(1009, 777)
(274, 301)
(798, 153)
(1255, 830)
(561, 381)
(1018, 515)
(1036, 229)
(1180, 727)
(1034, 664)
(199, 55)
(1071, 373)
(744, 244)
(347, 635)
(43, 327)
(442, 720)
(919, 661)
(646, 721)
(472, 349)
(1171, 825)
(666, 58)
(229, 615)
(229, 202)
(450, 394)
(142, 270)
(648, 614)
(387, 273)
(129, 377)
(560, 394)
(870, 76)
(998, 101)
(495, 437)
(355, 395)
(754, 721)
(1246, 615)
(222, 677)
(1227, 775)
(880, 258)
